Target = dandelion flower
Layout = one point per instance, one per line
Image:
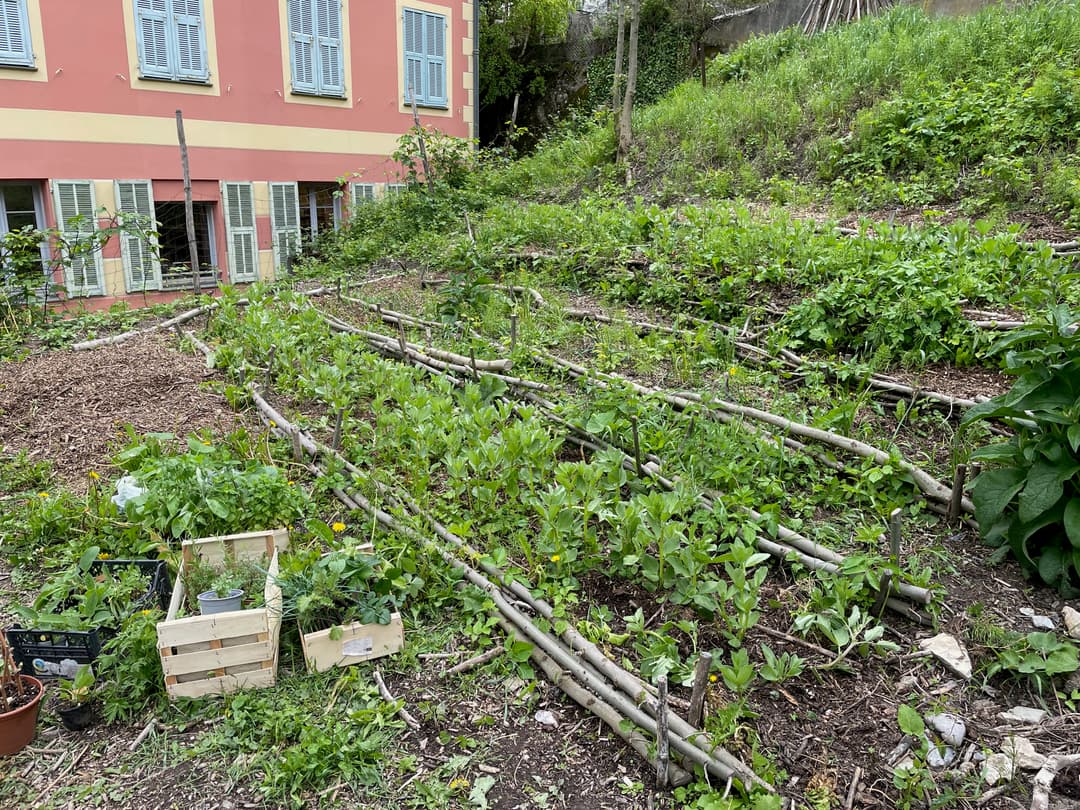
(555, 558)
(43, 494)
(292, 483)
(712, 678)
(93, 475)
(459, 784)
(104, 555)
(338, 527)
(732, 371)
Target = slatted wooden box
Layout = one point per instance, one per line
(357, 642)
(212, 655)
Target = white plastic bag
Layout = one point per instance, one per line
(127, 488)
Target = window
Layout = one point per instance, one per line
(285, 223)
(362, 193)
(315, 47)
(138, 241)
(173, 249)
(240, 231)
(395, 188)
(15, 48)
(20, 207)
(425, 58)
(320, 209)
(76, 216)
(171, 40)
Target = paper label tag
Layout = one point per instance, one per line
(358, 646)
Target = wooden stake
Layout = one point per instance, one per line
(958, 481)
(894, 535)
(339, 288)
(335, 442)
(297, 447)
(189, 208)
(513, 331)
(663, 755)
(637, 444)
(697, 693)
(269, 367)
(883, 594)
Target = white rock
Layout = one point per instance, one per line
(938, 759)
(1071, 617)
(950, 727)
(950, 652)
(1024, 714)
(998, 768)
(1042, 622)
(1023, 753)
(906, 764)
(546, 719)
(1026, 611)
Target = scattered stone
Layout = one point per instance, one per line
(950, 652)
(1024, 714)
(906, 764)
(939, 758)
(1023, 753)
(998, 768)
(906, 684)
(1026, 611)
(950, 727)
(546, 719)
(1042, 622)
(1071, 617)
(483, 768)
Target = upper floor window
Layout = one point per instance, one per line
(425, 58)
(15, 48)
(171, 40)
(315, 47)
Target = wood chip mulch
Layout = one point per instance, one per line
(71, 407)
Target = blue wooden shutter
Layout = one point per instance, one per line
(302, 45)
(15, 48)
(329, 30)
(152, 37)
(435, 50)
(413, 22)
(190, 41)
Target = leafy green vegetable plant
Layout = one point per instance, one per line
(1029, 503)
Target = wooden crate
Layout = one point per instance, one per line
(210, 655)
(358, 642)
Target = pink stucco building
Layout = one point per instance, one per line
(291, 110)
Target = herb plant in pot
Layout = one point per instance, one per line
(20, 701)
(76, 705)
(223, 595)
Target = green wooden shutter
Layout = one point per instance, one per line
(77, 221)
(435, 53)
(413, 22)
(138, 248)
(189, 39)
(331, 82)
(15, 46)
(302, 45)
(243, 248)
(284, 222)
(152, 38)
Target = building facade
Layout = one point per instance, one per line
(291, 111)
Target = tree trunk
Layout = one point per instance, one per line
(626, 134)
(616, 82)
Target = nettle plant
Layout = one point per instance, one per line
(1030, 503)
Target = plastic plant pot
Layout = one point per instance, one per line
(76, 716)
(210, 603)
(17, 727)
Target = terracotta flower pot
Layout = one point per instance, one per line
(17, 727)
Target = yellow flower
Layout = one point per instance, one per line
(93, 475)
(459, 784)
(338, 527)
(292, 483)
(104, 555)
(555, 558)
(146, 612)
(273, 424)
(43, 494)
(732, 371)
(712, 679)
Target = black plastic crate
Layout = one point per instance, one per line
(47, 653)
(51, 653)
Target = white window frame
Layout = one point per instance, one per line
(39, 220)
(172, 22)
(286, 234)
(149, 258)
(236, 235)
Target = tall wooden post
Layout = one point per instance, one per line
(189, 208)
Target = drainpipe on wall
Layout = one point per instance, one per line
(476, 74)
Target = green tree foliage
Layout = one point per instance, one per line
(507, 29)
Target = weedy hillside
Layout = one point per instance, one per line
(752, 484)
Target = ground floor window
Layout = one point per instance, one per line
(20, 208)
(320, 209)
(173, 244)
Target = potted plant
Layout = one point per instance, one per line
(76, 705)
(226, 586)
(223, 595)
(20, 701)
